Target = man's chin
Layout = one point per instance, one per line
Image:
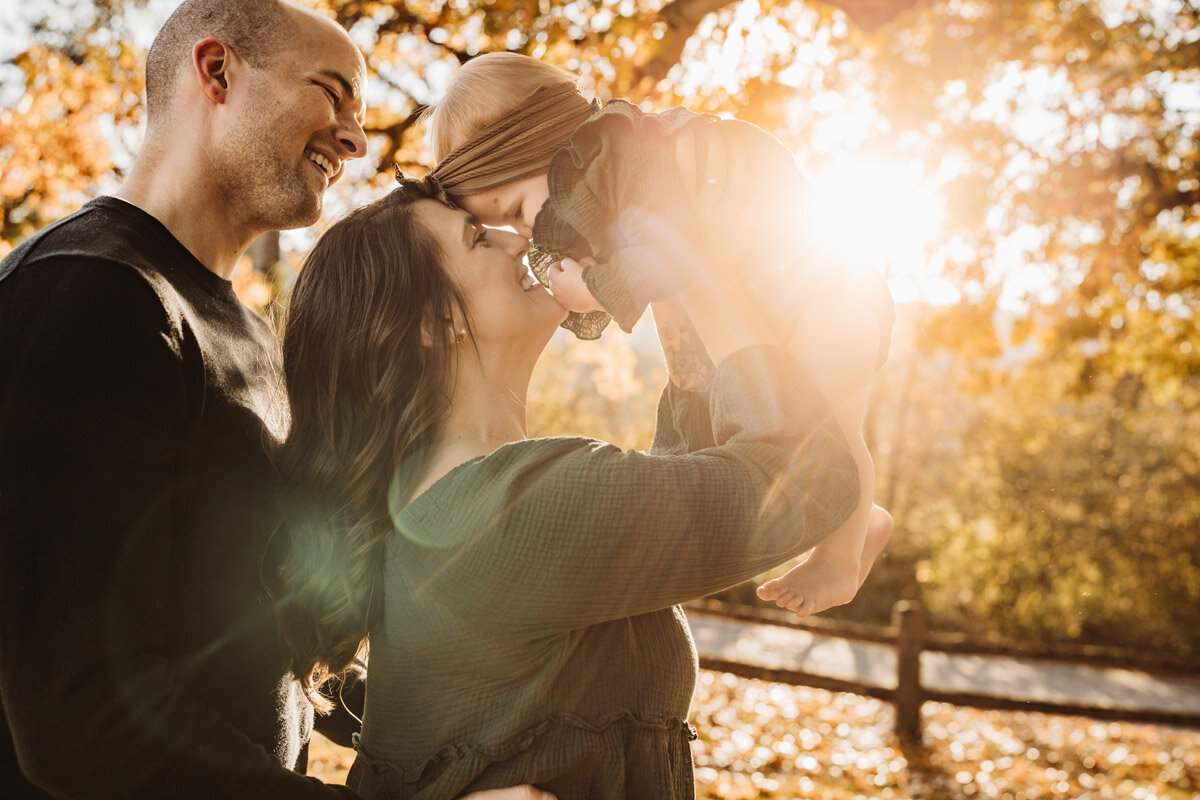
(301, 216)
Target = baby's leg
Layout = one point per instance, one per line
(834, 569)
(837, 341)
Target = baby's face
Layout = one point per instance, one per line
(514, 204)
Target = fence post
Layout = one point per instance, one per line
(909, 619)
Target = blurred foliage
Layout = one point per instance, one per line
(608, 392)
(1035, 437)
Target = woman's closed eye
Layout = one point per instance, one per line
(481, 237)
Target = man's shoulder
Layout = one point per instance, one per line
(104, 230)
(108, 249)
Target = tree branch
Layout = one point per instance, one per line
(682, 17)
(395, 136)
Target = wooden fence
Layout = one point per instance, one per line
(910, 638)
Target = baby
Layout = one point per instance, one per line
(617, 203)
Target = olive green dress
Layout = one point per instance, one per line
(530, 630)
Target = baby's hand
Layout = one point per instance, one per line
(566, 284)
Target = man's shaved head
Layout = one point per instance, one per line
(256, 30)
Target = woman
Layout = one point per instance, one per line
(519, 593)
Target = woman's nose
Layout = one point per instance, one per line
(515, 244)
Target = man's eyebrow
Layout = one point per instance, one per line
(347, 87)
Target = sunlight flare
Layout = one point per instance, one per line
(884, 212)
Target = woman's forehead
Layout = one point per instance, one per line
(447, 223)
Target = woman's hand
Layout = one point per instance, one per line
(511, 793)
(565, 279)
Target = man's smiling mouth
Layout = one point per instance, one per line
(326, 166)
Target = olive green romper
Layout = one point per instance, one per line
(616, 194)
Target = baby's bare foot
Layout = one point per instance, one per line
(782, 595)
(815, 585)
(879, 531)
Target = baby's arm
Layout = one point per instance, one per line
(617, 186)
(704, 181)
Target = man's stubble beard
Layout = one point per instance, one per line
(272, 191)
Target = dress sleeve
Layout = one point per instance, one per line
(683, 423)
(593, 533)
(92, 413)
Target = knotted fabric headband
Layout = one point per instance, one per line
(516, 146)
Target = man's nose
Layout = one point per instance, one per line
(352, 139)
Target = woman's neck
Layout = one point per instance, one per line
(485, 414)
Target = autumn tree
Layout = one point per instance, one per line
(74, 97)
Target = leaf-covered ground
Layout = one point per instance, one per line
(760, 740)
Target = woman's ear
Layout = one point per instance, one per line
(456, 331)
(426, 337)
(211, 63)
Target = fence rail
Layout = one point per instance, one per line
(908, 638)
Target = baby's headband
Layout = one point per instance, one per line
(516, 146)
(428, 185)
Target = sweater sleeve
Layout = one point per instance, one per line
(589, 533)
(93, 410)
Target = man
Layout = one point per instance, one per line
(137, 656)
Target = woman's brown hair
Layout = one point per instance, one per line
(367, 347)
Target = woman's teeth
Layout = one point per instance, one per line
(528, 281)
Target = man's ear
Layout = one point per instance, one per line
(211, 62)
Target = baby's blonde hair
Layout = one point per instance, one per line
(483, 90)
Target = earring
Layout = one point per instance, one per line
(461, 336)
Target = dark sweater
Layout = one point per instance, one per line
(137, 658)
(529, 630)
